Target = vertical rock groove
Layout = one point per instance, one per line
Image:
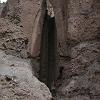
(52, 43)
(48, 51)
(44, 51)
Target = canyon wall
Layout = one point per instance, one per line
(26, 14)
(78, 42)
(80, 74)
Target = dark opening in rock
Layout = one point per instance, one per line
(48, 51)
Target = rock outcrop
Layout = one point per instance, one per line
(26, 14)
(12, 39)
(17, 80)
(17, 75)
(78, 42)
(80, 74)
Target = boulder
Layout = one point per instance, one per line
(17, 81)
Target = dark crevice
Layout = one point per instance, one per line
(48, 51)
(60, 73)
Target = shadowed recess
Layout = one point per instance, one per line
(48, 51)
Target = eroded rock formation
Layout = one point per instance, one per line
(78, 42)
(17, 80)
(80, 73)
(17, 77)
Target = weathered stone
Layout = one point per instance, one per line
(78, 41)
(17, 80)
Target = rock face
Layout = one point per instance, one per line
(11, 90)
(1, 7)
(78, 41)
(12, 39)
(17, 80)
(17, 77)
(28, 17)
(80, 74)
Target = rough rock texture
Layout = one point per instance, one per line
(78, 37)
(28, 18)
(11, 90)
(17, 81)
(12, 39)
(17, 77)
(80, 74)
